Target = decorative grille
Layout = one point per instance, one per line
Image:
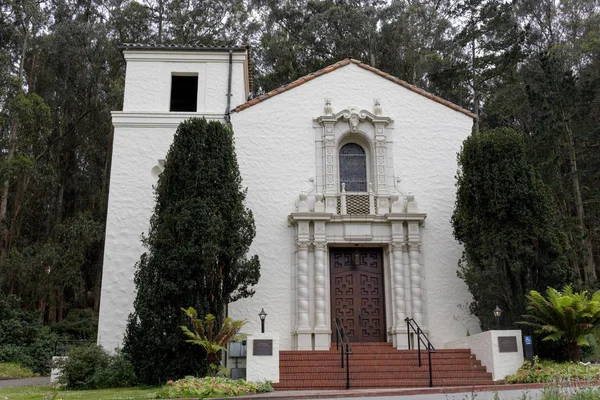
(356, 204)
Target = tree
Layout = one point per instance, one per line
(212, 342)
(199, 236)
(504, 218)
(564, 315)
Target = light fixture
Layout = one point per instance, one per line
(497, 313)
(263, 315)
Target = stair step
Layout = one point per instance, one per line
(379, 365)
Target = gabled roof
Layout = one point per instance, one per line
(341, 64)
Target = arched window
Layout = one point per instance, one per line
(353, 168)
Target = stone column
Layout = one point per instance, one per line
(414, 248)
(303, 330)
(383, 205)
(399, 331)
(322, 331)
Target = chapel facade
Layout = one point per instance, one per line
(350, 175)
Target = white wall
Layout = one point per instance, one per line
(148, 79)
(485, 347)
(276, 152)
(275, 144)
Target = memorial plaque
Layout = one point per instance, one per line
(263, 347)
(507, 344)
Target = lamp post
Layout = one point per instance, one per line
(263, 315)
(497, 313)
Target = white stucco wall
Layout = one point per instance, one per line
(275, 145)
(485, 347)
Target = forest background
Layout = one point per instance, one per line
(532, 65)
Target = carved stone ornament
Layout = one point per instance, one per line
(377, 107)
(328, 110)
(400, 245)
(302, 244)
(320, 244)
(414, 246)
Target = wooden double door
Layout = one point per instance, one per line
(357, 297)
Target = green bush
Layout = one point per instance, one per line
(191, 387)
(23, 338)
(81, 365)
(117, 373)
(91, 367)
(549, 371)
(80, 324)
(15, 371)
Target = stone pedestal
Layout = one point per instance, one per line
(260, 368)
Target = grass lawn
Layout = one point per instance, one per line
(46, 392)
(14, 371)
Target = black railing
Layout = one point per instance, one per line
(411, 324)
(62, 347)
(341, 337)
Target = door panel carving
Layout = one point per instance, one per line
(357, 292)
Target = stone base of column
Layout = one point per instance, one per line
(400, 339)
(322, 339)
(304, 340)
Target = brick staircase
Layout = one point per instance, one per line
(378, 365)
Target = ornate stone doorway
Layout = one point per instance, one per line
(357, 292)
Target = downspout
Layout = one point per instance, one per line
(227, 116)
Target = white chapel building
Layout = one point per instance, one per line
(351, 178)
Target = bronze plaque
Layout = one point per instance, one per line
(263, 347)
(507, 344)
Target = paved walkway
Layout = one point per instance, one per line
(43, 381)
(505, 392)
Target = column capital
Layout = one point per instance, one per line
(319, 244)
(399, 245)
(302, 244)
(414, 245)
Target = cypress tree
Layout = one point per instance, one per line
(505, 219)
(200, 233)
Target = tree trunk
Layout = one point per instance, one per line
(574, 351)
(589, 268)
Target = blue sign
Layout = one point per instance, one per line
(528, 340)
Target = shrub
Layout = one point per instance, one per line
(548, 371)
(15, 371)
(23, 338)
(117, 373)
(80, 324)
(81, 365)
(91, 367)
(213, 387)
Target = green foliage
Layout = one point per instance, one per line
(80, 324)
(91, 367)
(564, 315)
(212, 342)
(199, 235)
(23, 339)
(504, 218)
(550, 371)
(15, 371)
(214, 387)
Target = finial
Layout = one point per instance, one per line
(328, 110)
(377, 108)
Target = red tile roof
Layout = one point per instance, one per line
(343, 63)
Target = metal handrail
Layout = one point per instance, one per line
(346, 347)
(430, 349)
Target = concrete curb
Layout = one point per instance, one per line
(321, 394)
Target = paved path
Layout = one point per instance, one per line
(43, 381)
(504, 392)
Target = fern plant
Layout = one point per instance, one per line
(213, 341)
(564, 315)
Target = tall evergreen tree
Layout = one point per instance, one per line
(199, 236)
(504, 218)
